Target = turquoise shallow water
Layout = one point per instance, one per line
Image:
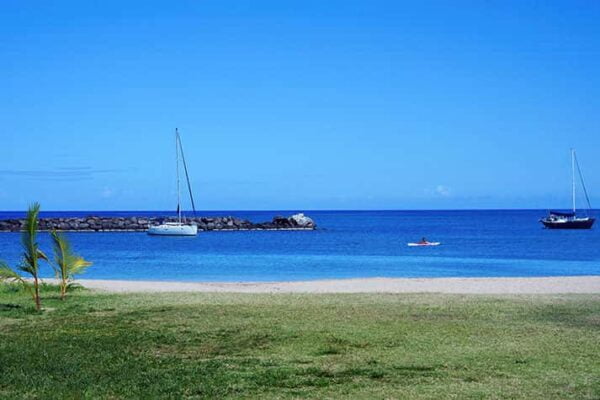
(348, 244)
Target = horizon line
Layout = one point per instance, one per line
(319, 210)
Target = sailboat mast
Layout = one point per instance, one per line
(573, 176)
(587, 197)
(177, 173)
(187, 176)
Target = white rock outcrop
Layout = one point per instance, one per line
(302, 220)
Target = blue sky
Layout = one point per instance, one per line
(298, 104)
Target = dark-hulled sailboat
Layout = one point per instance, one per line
(570, 220)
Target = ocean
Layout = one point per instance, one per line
(348, 244)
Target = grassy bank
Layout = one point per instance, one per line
(286, 346)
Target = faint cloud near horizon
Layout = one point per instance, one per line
(443, 191)
(60, 173)
(438, 191)
(106, 193)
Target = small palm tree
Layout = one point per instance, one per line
(68, 264)
(31, 256)
(8, 274)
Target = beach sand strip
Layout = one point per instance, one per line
(536, 285)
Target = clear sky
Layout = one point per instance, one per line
(298, 104)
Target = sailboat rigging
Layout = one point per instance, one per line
(187, 177)
(179, 228)
(570, 220)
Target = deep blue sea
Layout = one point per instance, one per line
(348, 244)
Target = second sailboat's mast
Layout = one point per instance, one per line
(573, 176)
(177, 165)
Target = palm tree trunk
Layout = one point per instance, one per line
(38, 303)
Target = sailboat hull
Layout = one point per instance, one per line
(173, 230)
(579, 223)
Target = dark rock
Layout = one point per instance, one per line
(139, 224)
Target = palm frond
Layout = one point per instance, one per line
(26, 267)
(78, 265)
(60, 244)
(61, 249)
(67, 262)
(31, 252)
(28, 237)
(42, 256)
(9, 274)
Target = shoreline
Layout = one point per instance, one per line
(532, 285)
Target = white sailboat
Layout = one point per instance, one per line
(180, 227)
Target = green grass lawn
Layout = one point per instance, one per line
(299, 346)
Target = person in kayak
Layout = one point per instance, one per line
(423, 240)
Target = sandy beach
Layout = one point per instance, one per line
(545, 285)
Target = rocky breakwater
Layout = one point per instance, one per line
(140, 224)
